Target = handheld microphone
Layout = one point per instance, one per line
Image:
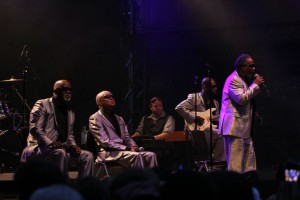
(263, 84)
(141, 149)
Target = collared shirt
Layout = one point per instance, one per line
(168, 126)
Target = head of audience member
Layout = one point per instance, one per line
(35, 174)
(287, 181)
(231, 185)
(62, 91)
(207, 88)
(288, 190)
(134, 184)
(245, 65)
(57, 192)
(91, 188)
(105, 101)
(156, 106)
(187, 184)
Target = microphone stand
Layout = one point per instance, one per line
(195, 106)
(24, 104)
(22, 99)
(210, 115)
(192, 132)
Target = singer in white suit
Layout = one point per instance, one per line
(113, 139)
(237, 115)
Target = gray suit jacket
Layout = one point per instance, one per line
(43, 125)
(185, 108)
(110, 144)
(236, 108)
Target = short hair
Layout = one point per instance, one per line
(205, 81)
(153, 100)
(241, 60)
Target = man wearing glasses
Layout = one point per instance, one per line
(236, 116)
(51, 134)
(112, 137)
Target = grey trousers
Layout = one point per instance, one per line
(62, 159)
(131, 159)
(240, 154)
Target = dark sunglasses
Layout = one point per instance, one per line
(250, 65)
(108, 96)
(66, 89)
(63, 89)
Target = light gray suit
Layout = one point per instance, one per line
(235, 123)
(185, 109)
(43, 132)
(113, 147)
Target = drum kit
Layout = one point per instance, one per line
(12, 135)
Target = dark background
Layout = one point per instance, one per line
(88, 43)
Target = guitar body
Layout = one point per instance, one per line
(206, 125)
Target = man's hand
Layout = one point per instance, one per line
(55, 145)
(134, 148)
(135, 135)
(75, 150)
(259, 80)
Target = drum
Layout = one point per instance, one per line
(3, 110)
(10, 150)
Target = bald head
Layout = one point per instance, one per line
(61, 84)
(105, 100)
(62, 90)
(100, 96)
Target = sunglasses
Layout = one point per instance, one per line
(63, 89)
(108, 96)
(250, 65)
(66, 89)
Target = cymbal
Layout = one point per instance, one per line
(12, 79)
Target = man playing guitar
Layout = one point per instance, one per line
(200, 103)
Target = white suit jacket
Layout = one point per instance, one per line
(43, 129)
(110, 144)
(236, 108)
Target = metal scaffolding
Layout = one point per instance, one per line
(134, 67)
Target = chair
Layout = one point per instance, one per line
(101, 169)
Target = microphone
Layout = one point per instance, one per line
(22, 53)
(263, 84)
(141, 149)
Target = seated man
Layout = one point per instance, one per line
(158, 124)
(51, 132)
(113, 139)
(200, 103)
(153, 130)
